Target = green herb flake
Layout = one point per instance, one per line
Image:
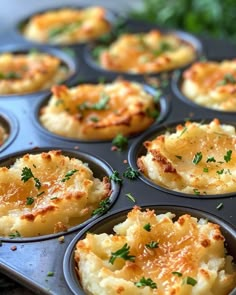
(196, 191)
(115, 176)
(131, 174)
(103, 207)
(27, 174)
(29, 201)
(94, 119)
(152, 113)
(146, 282)
(197, 158)
(122, 253)
(152, 245)
(219, 206)
(211, 159)
(220, 171)
(40, 194)
(183, 131)
(189, 281)
(102, 104)
(176, 273)
(68, 175)
(120, 141)
(50, 274)
(205, 169)
(14, 235)
(96, 52)
(227, 156)
(147, 227)
(130, 197)
(228, 79)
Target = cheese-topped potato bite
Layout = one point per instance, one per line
(211, 84)
(195, 159)
(99, 111)
(67, 25)
(153, 254)
(47, 193)
(150, 52)
(3, 135)
(29, 72)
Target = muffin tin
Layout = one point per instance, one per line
(45, 265)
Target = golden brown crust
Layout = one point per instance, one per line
(67, 25)
(48, 201)
(179, 249)
(196, 158)
(30, 72)
(211, 84)
(150, 52)
(98, 111)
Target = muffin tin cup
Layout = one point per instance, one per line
(100, 169)
(137, 149)
(67, 60)
(186, 37)
(163, 106)
(106, 224)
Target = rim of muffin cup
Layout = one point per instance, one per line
(183, 35)
(71, 63)
(111, 17)
(106, 224)
(99, 167)
(177, 80)
(10, 124)
(163, 106)
(137, 149)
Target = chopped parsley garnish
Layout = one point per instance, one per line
(10, 75)
(94, 119)
(103, 207)
(69, 174)
(96, 52)
(55, 32)
(131, 174)
(147, 227)
(116, 177)
(228, 78)
(227, 156)
(120, 141)
(218, 207)
(152, 245)
(178, 157)
(183, 131)
(164, 46)
(50, 274)
(146, 282)
(176, 273)
(130, 197)
(27, 174)
(189, 281)
(98, 106)
(29, 201)
(205, 169)
(196, 191)
(38, 195)
(197, 158)
(122, 253)
(211, 159)
(220, 171)
(15, 235)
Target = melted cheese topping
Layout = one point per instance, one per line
(25, 73)
(98, 111)
(196, 159)
(193, 248)
(150, 52)
(3, 135)
(65, 26)
(211, 84)
(49, 201)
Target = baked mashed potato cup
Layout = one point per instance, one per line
(67, 25)
(3, 134)
(211, 84)
(145, 53)
(23, 73)
(195, 158)
(99, 111)
(48, 193)
(153, 254)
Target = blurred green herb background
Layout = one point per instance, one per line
(216, 18)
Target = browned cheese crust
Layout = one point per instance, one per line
(99, 111)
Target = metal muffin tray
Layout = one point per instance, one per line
(45, 265)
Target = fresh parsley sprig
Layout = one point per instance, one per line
(197, 158)
(122, 253)
(120, 141)
(115, 176)
(27, 174)
(103, 207)
(131, 174)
